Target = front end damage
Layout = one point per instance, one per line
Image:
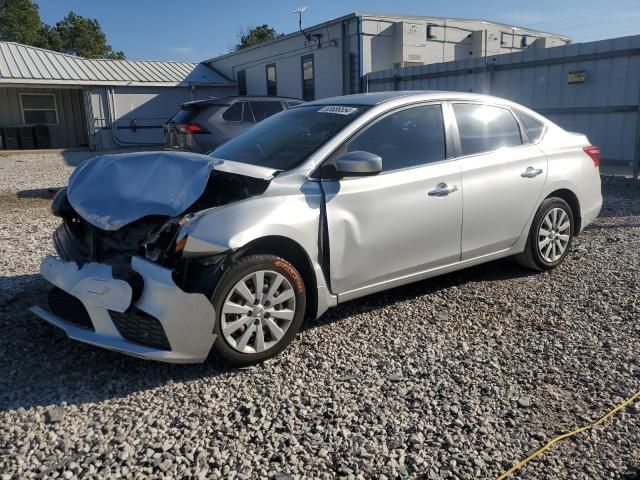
(119, 280)
(163, 323)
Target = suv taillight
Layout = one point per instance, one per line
(190, 128)
(594, 153)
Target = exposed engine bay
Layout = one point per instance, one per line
(152, 236)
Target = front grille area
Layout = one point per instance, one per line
(139, 327)
(69, 308)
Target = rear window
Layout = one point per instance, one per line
(262, 110)
(186, 114)
(533, 127)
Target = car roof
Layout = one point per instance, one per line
(233, 98)
(378, 98)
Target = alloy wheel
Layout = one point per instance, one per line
(258, 311)
(554, 235)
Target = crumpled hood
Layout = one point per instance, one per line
(111, 191)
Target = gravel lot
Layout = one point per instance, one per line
(454, 377)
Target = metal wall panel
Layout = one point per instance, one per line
(71, 128)
(606, 107)
(134, 116)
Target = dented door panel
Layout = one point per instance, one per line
(388, 226)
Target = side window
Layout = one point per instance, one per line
(484, 128)
(533, 127)
(247, 114)
(233, 113)
(262, 110)
(408, 138)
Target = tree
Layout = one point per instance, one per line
(255, 35)
(76, 35)
(84, 37)
(52, 38)
(20, 22)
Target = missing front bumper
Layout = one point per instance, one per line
(187, 319)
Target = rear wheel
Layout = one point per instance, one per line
(550, 236)
(260, 304)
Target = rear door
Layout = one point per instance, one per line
(401, 221)
(231, 122)
(502, 176)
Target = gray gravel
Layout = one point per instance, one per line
(455, 377)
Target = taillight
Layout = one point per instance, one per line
(190, 128)
(181, 244)
(594, 153)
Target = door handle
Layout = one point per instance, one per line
(442, 190)
(531, 172)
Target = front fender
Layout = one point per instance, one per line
(295, 216)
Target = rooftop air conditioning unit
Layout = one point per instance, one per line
(410, 42)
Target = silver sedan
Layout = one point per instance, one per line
(172, 256)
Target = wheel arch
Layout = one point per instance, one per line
(294, 253)
(572, 199)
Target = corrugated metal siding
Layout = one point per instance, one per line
(22, 64)
(71, 130)
(605, 107)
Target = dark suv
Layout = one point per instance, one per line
(203, 125)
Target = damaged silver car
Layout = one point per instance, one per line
(173, 256)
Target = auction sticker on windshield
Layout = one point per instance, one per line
(338, 109)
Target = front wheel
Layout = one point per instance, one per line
(260, 304)
(550, 236)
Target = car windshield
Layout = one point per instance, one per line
(285, 140)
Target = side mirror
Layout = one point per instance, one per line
(359, 163)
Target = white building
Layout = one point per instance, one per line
(332, 58)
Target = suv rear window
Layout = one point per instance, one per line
(262, 110)
(186, 114)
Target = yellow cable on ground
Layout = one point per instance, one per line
(522, 463)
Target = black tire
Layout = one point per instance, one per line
(239, 270)
(532, 257)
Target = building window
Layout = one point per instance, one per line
(523, 42)
(242, 82)
(430, 34)
(308, 87)
(39, 108)
(272, 80)
(503, 39)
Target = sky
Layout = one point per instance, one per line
(195, 30)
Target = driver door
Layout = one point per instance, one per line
(403, 221)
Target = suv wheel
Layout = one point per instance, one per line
(550, 236)
(260, 304)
